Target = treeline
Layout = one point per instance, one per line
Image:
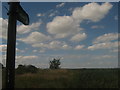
(54, 64)
(21, 69)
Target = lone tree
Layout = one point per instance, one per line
(55, 63)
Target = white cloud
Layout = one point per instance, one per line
(40, 45)
(54, 45)
(106, 38)
(3, 48)
(26, 57)
(97, 27)
(53, 13)
(79, 47)
(79, 37)
(66, 47)
(60, 5)
(106, 41)
(105, 45)
(35, 37)
(3, 28)
(22, 29)
(63, 26)
(40, 14)
(42, 50)
(92, 11)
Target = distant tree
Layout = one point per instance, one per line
(55, 63)
(32, 69)
(26, 69)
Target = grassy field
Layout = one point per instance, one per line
(68, 78)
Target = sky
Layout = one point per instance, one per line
(82, 34)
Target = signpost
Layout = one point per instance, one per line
(15, 13)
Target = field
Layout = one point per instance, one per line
(68, 78)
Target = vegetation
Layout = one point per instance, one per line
(26, 69)
(68, 78)
(55, 63)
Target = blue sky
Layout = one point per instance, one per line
(84, 35)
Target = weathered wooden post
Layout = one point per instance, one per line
(15, 13)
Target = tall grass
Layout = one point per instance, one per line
(64, 78)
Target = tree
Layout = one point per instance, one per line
(26, 69)
(55, 63)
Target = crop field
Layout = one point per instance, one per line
(68, 78)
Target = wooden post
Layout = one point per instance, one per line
(11, 46)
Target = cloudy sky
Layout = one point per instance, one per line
(83, 35)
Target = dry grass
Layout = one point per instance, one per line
(48, 74)
(64, 78)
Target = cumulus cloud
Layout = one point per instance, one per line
(64, 26)
(106, 38)
(79, 47)
(79, 37)
(54, 45)
(3, 48)
(105, 45)
(91, 11)
(40, 14)
(97, 27)
(35, 37)
(60, 5)
(26, 57)
(3, 28)
(53, 13)
(41, 50)
(22, 29)
(106, 41)
(58, 45)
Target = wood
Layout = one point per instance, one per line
(11, 46)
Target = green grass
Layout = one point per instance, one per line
(68, 78)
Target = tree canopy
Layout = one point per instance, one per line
(55, 63)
